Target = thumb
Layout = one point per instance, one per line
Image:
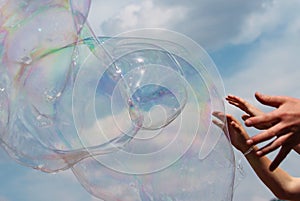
(274, 101)
(245, 117)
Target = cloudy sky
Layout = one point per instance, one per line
(255, 45)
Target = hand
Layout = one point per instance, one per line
(237, 133)
(250, 110)
(284, 124)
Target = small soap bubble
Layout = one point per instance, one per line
(52, 95)
(26, 60)
(43, 121)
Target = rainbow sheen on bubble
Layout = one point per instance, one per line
(130, 114)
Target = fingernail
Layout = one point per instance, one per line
(249, 142)
(259, 153)
(247, 122)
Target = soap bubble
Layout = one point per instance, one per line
(180, 159)
(129, 114)
(41, 41)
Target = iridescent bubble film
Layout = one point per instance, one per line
(130, 114)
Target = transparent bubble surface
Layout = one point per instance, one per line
(129, 114)
(176, 153)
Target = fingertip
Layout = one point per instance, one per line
(245, 117)
(232, 123)
(259, 153)
(229, 96)
(248, 122)
(216, 113)
(258, 94)
(235, 125)
(249, 142)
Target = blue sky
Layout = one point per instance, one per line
(255, 45)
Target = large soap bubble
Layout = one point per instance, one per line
(182, 159)
(129, 114)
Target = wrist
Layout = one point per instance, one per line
(247, 149)
(251, 149)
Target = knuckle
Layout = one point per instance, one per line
(284, 115)
(277, 142)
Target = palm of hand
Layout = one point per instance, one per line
(238, 135)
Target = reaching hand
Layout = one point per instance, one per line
(282, 123)
(237, 133)
(250, 110)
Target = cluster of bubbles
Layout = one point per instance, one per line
(130, 115)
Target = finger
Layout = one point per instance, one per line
(284, 151)
(262, 119)
(266, 135)
(245, 117)
(275, 144)
(262, 126)
(236, 104)
(219, 115)
(222, 127)
(244, 105)
(236, 126)
(230, 118)
(258, 126)
(234, 98)
(219, 124)
(274, 101)
(231, 99)
(237, 101)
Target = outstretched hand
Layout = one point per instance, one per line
(282, 123)
(238, 135)
(249, 109)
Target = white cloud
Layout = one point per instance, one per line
(212, 24)
(142, 15)
(272, 65)
(273, 19)
(100, 12)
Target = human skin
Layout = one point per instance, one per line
(282, 124)
(283, 185)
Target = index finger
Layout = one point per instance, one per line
(265, 135)
(268, 118)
